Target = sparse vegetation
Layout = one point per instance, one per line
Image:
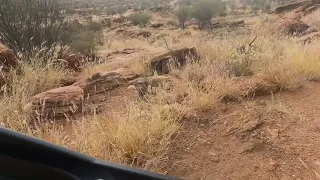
(117, 125)
(25, 25)
(183, 14)
(205, 10)
(140, 19)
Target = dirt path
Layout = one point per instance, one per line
(257, 139)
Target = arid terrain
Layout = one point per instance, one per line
(162, 86)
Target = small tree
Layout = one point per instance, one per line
(183, 14)
(232, 6)
(205, 10)
(25, 24)
(267, 6)
(140, 19)
(255, 8)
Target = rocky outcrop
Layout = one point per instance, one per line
(144, 34)
(8, 62)
(309, 38)
(73, 61)
(58, 102)
(156, 25)
(290, 6)
(291, 26)
(299, 8)
(177, 58)
(230, 24)
(105, 81)
(70, 100)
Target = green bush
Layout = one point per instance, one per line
(172, 23)
(205, 10)
(84, 43)
(183, 14)
(267, 7)
(140, 19)
(94, 26)
(83, 39)
(255, 8)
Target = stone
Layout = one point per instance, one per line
(291, 26)
(106, 81)
(290, 6)
(58, 102)
(8, 60)
(74, 61)
(144, 34)
(177, 58)
(309, 38)
(156, 25)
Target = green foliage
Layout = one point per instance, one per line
(255, 8)
(183, 14)
(84, 43)
(140, 19)
(267, 7)
(29, 24)
(83, 39)
(94, 26)
(205, 10)
(70, 10)
(172, 23)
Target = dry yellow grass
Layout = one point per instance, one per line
(138, 138)
(35, 78)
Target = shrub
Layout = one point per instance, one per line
(85, 42)
(28, 24)
(267, 7)
(140, 18)
(82, 39)
(70, 10)
(205, 10)
(255, 8)
(94, 26)
(171, 23)
(182, 14)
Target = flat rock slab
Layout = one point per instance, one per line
(105, 81)
(59, 102)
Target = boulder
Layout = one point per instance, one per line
(309, 37)
(291, 26)
(310, 30)
(231, 24)
(144, 34)
(58, 102)
(177, 58)
(8, 60)
(290, 6)
(74, 61)
(105, 81)
(156, 25)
